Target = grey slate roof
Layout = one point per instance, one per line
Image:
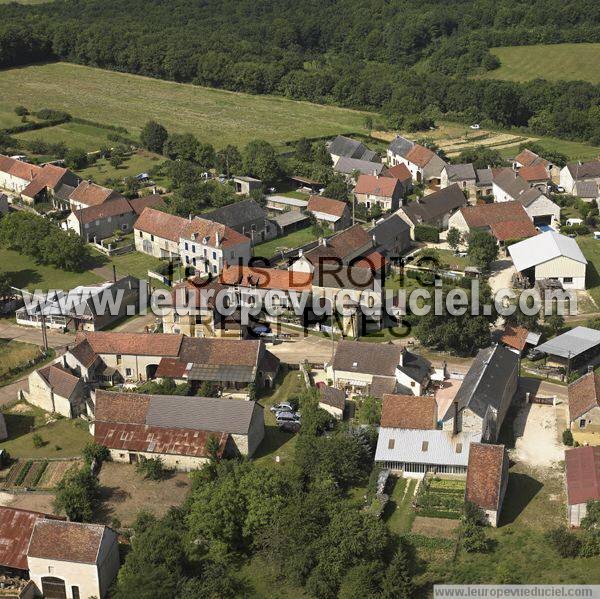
(572, 343)
(511, 183)
(531, 195)
(237, 214)
(460, 172)
(3, 429)
(586, 189)
(408, 446)
(368, 358)
(330, 396)
(431, 207)
(285, 219)
(222, 373)
(344, 146)
(415, 366)
(349, 165)
(587, 170)
(389, 230)
(400, 145)
(484, 176)
(487, 377)
(201, 413)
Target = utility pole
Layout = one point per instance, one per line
(44, 332)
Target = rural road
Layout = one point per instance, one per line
(10, 330)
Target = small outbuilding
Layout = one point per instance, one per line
(582, 466)
(584, 408)
(573, 349)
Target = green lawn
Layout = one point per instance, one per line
(552, 62)
(63, 438)
(14, 353)
(215, 116)
(134, 263)
(139, 162)
(26, 274)
(74, 135)
(271, 248)
(399, 513)
(591, 250)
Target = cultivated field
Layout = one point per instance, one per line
(215, 116)
(567, 62)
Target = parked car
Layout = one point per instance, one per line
(281, 417)
(534, 355)
(281, 407)
(475, 126)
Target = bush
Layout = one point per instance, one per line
(151, 468)
(574, 230)
(427, 233)
(565, 542)
(49, 114)
(474, 538)
(37, 441)
(21, 111)
(94, 451)
(567, 437)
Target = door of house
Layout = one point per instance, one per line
(133, 458)
(53, 588)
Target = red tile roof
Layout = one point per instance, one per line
(161, 224)
(515, 337)
(484, 475)
(91, 194)
(266, 278)
(341, 245)
(419, 155)
(536, 172)
(409, 411)
(18, 168)
(326, 205)
(583, 474)
(16, 527)
(66, 541)
(507, 220)
(215, 234)
(400, 172)
(374, 260)
(528, 158)
(382, 186)
(111, 208)
(49, 177)
(138, 344)
(584, 394)
(110, 407)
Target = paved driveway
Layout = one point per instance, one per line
(10, 330)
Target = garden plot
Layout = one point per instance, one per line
(441, 498)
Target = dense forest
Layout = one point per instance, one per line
(400, 57)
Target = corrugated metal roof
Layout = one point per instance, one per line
(572, 343)
(424, 447)
(541, 248)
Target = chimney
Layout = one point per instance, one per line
(300, 253)
(455, 419)
(190, 217)
(64, 361)
(402, 354)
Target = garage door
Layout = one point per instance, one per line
(53, 588)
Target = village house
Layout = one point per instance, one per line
(48, 184)
(535, 175)
(246, 185)
(485, 395)
(487, 479)
(550, 255)
(508, 186)
(57, 390)
(207, 246)
(461, 174)
(105, 359)
(505, 221)
(178, 429)
(246, 217)
(344, 146)
(84, 308)
(375, 369)
(434, 209)
(584, 409)
(331, 400)
(350, 166)
(55, 558)
(104, 220)
(277, 204)
(157, 233)
(519, 338)
(541, 209)
(333, 214)
(526, 158)
(400, 172)
(378, 191)
(88, 194)
(484, 184)
(582, 465)
(424, 165)
(391, 236)
(16, 175)
(576, 175)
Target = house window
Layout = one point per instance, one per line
(118, 358)
(141, 234)
(109, 219)
(75, 592)
(214, 255)
(176, 317)
(151, 237)
(391, 443)
(128, 372)
(193, 249)
(582, 423)
(124, 227)
(186, 246)
(567, 279)
(121, 455)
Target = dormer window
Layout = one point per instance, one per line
(459, 448)
(354, 364)
(391, 443)
(425, 446)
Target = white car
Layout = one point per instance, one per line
(282, 417)
(281, 407)
(475, 126)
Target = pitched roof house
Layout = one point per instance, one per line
(176, 428)
(575, 175)
(434, 209)
(409, 412)
(158, 233)
(462, 174)
(391, 236)
(508, 185)
(400, 172)
(16, 175)
(349, 166)
(46, 182)
(57, 390)
(487, 479)
(582, 465)
(584, 405)
(485, 394)
(88, 193)
(541, 209)
(505, 220)
(382, 191)
(423, 164)
(550, 255)
(344, 146)
(334, 213)
(527, 158)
